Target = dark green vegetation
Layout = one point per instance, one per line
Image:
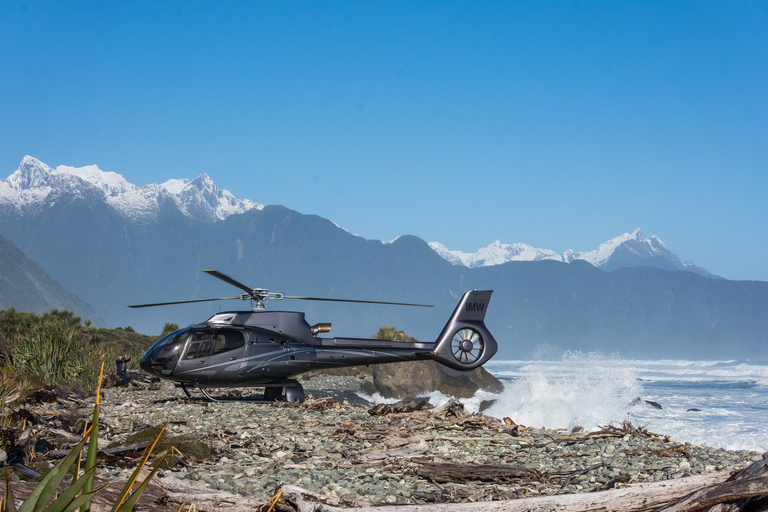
(57, 349)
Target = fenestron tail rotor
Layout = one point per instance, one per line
(261, 295)
(467, 345)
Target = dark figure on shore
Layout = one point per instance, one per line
(122, 371)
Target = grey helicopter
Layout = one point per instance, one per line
(266, 349)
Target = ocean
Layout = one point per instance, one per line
(720, 404)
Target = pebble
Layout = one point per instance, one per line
(323, 445)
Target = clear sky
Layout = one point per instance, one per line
(556, 124)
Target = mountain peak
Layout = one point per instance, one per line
(35, 184)
(110, 183)
(626, 250)
(31, 173)
(495, 253)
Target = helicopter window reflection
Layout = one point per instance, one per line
(200, 345)
(169, 348)
(228, 340)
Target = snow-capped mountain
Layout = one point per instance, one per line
(35, 185)
(627, 250)
(495, 254)
(78, 226)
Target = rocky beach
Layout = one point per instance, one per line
(358, 454)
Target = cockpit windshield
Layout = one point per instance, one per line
(168, 349)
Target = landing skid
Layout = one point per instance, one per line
(285, 391)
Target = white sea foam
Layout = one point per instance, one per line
(580, 390)
(721, 404)
(731, 397)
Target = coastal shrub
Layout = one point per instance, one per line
(391, 333)
(56, 349)
(44, 352)
(168, 328)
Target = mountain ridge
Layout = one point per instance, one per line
(111, 261)
(34, 185)
(626, 250)
(27, 287)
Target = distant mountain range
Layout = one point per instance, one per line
(627, 250)
(112, 244)
(35, 186)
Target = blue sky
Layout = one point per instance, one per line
(556, 124)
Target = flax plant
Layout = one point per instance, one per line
(80, 491)
(44, 352)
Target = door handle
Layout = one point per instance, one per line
(201, 362)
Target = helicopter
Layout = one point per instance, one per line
(265, 349)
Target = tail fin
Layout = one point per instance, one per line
(465, 343)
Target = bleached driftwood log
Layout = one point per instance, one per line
(639, 498)
(697, 493)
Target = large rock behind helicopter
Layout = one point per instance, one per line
(412, 379)
(416, 378)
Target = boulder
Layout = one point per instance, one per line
(416, 378)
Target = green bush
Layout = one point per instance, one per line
(55, 349)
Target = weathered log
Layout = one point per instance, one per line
(753, 487)
(455, 472)
(126, 448)
(741, 491)
(638, 498)
(25, 470)
(394, 442)
(409, 451)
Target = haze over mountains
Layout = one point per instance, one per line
(112, 244)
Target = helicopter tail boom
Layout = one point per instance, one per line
(465, 342)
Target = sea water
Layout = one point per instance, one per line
(721, 404)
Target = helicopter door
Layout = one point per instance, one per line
(194, 364)
(226, 356)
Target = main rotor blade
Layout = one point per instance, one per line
(226, 278)
(362, 301)
(180, 302)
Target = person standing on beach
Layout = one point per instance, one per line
(122, 369)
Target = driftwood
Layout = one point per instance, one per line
(455, 472)
(394, 442)
(25, 470)
(126, 448)
(747, 488)
(682, 495)
(745, 484)
(412, 450)
(399, 407)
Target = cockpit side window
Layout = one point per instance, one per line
(200, 345)
(168, 349)
(228, 340)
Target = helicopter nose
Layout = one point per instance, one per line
(146, 366)
(146, 362)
